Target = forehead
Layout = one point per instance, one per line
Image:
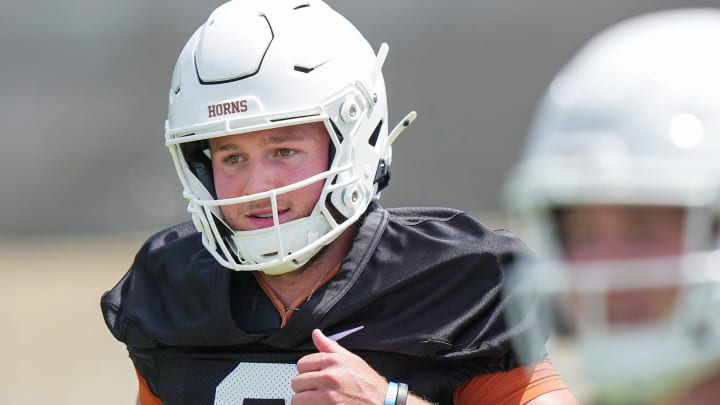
(309, 132)
(620, 211)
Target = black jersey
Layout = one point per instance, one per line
(424, 283)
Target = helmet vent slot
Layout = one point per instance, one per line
(338, 134)
(303, 69)
(374, 137)
(292, 118)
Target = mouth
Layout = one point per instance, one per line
(264, 217)
(268, 215)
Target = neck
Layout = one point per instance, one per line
(289, 286)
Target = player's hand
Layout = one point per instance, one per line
(335, 375)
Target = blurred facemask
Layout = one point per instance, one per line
(632, 122)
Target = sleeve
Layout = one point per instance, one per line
(516, 386)
(145, 395)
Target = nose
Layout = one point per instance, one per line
(260, 178)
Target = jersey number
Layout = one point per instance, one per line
(257, 384)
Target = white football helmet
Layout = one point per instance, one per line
(261, 64)
(632, 120)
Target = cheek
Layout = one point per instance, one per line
(222, 185)
(227, 186)
(671, 242)
(306, 197)
(313, 166)
(304, 170)
(318, 166)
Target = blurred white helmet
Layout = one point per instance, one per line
(261, 64)
(632, 120)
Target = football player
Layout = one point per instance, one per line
(619, 195)
(291, 284)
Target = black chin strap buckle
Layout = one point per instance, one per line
(382, 175)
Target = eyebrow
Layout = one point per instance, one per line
(272, 140)
(283, 138)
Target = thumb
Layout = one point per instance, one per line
(326, 345)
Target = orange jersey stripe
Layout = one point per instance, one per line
(145, 396)
(514, 387)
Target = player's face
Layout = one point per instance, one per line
(614, 234)
(256, 162)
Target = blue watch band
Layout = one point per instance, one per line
(391, 395)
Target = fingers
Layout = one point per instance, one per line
(310, 381)
(330, 353)
(313, 362)
(335, 375)
(314, 370)
(325, 344)
(304, 398)
(313, 378)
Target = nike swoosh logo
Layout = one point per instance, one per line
(340, 335)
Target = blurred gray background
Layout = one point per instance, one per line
(83, 88)
(85, 177)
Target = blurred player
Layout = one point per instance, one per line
(618, 193)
